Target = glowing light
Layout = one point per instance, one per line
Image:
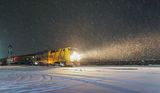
(75, 56)
(36, 63)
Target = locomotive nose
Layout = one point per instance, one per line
(75, 56)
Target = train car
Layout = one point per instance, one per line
(61, 57)
(23, 59)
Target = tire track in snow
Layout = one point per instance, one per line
(25, 83)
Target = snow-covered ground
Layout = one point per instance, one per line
(42, 79)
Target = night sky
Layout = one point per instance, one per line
(122, 27)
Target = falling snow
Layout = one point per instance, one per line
(121, 29)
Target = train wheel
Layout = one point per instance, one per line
(56, 64)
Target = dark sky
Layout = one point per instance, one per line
(37, 25)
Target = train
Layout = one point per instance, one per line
(67, 56)
(59, 57)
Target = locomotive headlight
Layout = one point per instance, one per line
(75, 56)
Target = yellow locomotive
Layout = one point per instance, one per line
(62, 57)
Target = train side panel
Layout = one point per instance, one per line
(59, 56)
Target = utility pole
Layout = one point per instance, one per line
(10, 53)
